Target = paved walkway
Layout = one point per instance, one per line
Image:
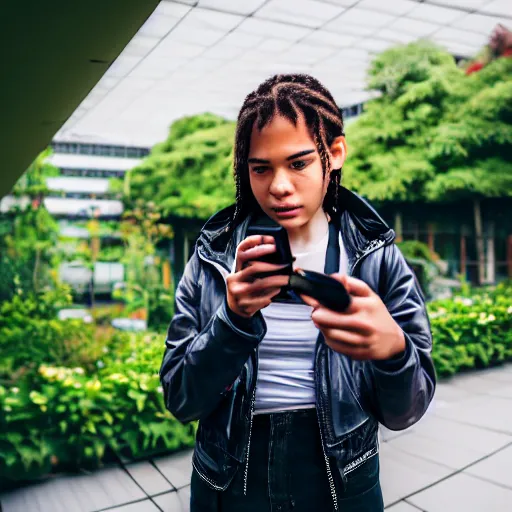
(459, 457)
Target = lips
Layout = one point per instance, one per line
(287, 212)
(282, 209)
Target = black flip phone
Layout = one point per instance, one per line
(325, 289)
(329, 292)
(283, 254)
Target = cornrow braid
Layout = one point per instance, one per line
(291, 96)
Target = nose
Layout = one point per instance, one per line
(281, 185)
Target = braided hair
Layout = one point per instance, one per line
(288, 95)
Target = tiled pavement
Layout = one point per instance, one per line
(458, 458)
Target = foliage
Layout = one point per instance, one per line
(31, 334)
(474, 330)
(68, 419)
(423, 261)
(141, 231)
(28, 234)
(27, 251)
(64, 418)
(104, 314)
(417, 249)
(33, 181)
(435, 134)
(189, 174)
(111, 253)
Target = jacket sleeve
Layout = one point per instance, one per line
(402, 388)
(201, 361)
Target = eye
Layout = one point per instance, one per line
(298, 165)
(260, 169)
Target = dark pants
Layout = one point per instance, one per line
(287, 472)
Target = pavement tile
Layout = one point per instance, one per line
(445, 442)
(465, 493)
(174, 501)
(140, 506)
(505, 391)
(402, 507)
(177, 468)
(149, 478)
(475, 383)
(499, 373)
(446, 391)
(496, 468)
(402, 474)
(104, 488)
(482, 411)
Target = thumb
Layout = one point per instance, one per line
(342, 278)
(356, 287)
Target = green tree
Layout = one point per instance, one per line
(190, 173)
(29, 234)
(32, 183)
(434, 134)
(141, 231)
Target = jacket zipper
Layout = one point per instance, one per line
(223, 273)
(320, 412)
(253, 401)
(328, 466)
(372, 246)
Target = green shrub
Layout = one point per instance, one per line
(66, 419)
(472, 331)
(31, 334)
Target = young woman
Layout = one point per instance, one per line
(289, 394)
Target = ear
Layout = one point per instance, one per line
(338, 151)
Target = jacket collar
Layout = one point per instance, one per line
(361, 226)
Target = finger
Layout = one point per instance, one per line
(254, 304)
(310, 301)
(253, 253)
(343, 337)
(255, 240)
(250, 272)
(342, 278)
(357, 288)
(267, 283)
(268, 293)
(326, 319)
(249, 243)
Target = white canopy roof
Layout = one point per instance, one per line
(193, 56)
(100, 163)
(83, 207)
(79, 185)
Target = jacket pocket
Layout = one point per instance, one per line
(202, 497)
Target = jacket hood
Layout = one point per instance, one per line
(358, 220)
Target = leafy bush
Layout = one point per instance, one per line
(422, 261)
(31, 335)
(67, 419)
(416, 249)
(472, 331)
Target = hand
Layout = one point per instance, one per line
(366, 331)
(246, 293)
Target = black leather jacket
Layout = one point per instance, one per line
(209, 367)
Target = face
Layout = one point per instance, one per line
(286, 174)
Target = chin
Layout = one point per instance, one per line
(294, 223)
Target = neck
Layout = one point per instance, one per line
(303, 238)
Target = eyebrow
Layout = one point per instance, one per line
(291, 157)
